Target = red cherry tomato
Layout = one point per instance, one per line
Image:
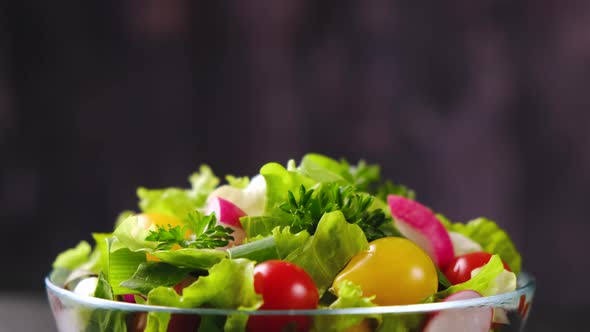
(283, 285)
(459, 270)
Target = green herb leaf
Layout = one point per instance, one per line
(306, 210)
(208, 234)
(166, 236)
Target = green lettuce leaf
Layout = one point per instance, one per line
(365, 175)
(212, 323)
(131, 234)
(193, 258)
(483, 282)
(121, 265)
(150, 275)
(287, 242)
(235, 323)
(401, 323)
(157, 322)
(491, 238)
(105, 320)
(103, 288)
(279, 182)
(229, 285)
(100, 255)
(237, 182)
(74, 257)
(326, 252)
(179, 202)
(325, 169)
(262, 225)
(350, 295)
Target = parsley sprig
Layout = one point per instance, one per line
(307, 210)
(208, 235)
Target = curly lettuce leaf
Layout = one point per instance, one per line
(103, 288)
(74, 257)
(201, 259)
(350, 295)
(229, 285)
(400, 323)
(491, 238)
(324, 169)
(483, 282)
(287, 242)
(326, 252)
(262, 225)
(121, 265)
(132, 234)
(279, 181)
(237, 182)
(99, 256)
(157, 321)
(105, 320)
(179, 202)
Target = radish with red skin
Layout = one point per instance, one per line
(475, 319)
(420, 225)
(129, 298)
(228, 214)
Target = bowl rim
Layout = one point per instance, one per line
(526, 286)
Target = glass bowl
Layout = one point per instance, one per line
(75, 312)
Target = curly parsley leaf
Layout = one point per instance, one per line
(306, 210)
(208, 235)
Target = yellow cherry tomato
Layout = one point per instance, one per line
(394, 269)
(146, 220)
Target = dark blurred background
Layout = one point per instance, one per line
(480, 106)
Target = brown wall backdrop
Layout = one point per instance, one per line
(481, 106)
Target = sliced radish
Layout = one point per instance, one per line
(251, 199)
(474, 319)
(463, 245)
(129, 298)
(420, 225)
(228, 214)
(86, 286)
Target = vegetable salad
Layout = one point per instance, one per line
(321, 233)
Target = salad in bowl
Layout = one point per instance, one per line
(319, 245)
